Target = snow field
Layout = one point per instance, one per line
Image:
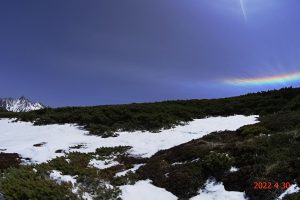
(43, 143)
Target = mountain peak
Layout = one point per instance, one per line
(21, 104)
(23, 98)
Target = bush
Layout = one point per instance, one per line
(216, 163)
(130, 178)
(99, 189)
(185, 182)
(253, 130)
(8, 160)
(24, 183)
(281, 121)
(109, 152)
(292, 197)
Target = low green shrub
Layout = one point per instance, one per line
(24, 183)
(253, 130)
(216, 163)
(130, 178)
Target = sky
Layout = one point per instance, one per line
(76, 53)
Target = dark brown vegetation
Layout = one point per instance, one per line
(40, 144)
(261, 153)
(9, 160)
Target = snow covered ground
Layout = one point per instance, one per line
(42, 143)
(103, 164)
(233, 169)
(146, 191)
(291, 190)
(216, 191)
(123, 173)
(59, 178)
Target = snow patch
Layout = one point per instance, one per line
(146, 191)
(59, 178)
(216, 191)
(185, 162)
(123, 173)
(103, 164)
(291, 190)
(233, 169)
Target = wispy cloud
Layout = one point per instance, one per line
(242, 3)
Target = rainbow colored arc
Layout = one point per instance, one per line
(264, 80)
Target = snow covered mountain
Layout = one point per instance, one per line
(21, 104)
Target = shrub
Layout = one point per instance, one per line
(109, 152)
(9, 160)
(129, 178)
(292, 197)
(24, 183)
(216, 163)
(253, 130)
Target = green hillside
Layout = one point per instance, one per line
(105, 120)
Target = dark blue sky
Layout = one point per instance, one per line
(94, 52)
